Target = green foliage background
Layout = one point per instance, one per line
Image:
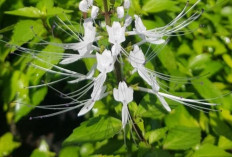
(183, 132)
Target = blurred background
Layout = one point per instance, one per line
(187, 132)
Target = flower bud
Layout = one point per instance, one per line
(83, 6)
(90, 3)
(128, 20)
(94, 12)
(126, 4)
(120, 12)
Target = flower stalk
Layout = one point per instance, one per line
(106, 14)
(117, 65)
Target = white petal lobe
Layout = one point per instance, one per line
(88, 106)
(120, 12)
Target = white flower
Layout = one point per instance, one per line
(137, 60)
(94, 12)
(140, 29)
(120, 12)
(105, 62)
(97, 94)
(90, 3)
(84, 5)
(124, 94)
(90, 31)
(155, 36)
(116, 33)
(84, 47)
(126, 4)
(116, 36)
(136, 57)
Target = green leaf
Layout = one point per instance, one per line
(156, 135)
(213, 45)
(45, 60)
(26, 12)
(154, 6)
(135, 8)
(207, 89)
(208, 150)
(199, 60)
(22, 32)
(149, 109)
(10, 91)
(22, 96)
(87, 149)
(211, 68)
(44, 5)
(56, 11)
(227, 58)
(7, 144)
(217, 124)
(2, 2)
(38, 95)
(224, 143)
(47, 9)
(6, 29)
(70, 151)
(182, 138)
(180, 116)
(95, 129)
(204, 122)
(109, 146)
(168, 60)
(42, 151)
(209, 139)
(155, 153)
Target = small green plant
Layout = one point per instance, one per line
(130, 77)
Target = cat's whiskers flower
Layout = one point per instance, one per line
(86, 45)
(124, 94)
(156, 35)
(105, 64)
(116, 37)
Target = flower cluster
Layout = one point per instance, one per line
(88, 46)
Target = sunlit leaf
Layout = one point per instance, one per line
(211, 150)
(7, 144)
(153, 6)
(42, 151)
(95, 129)
(26, 12)
(156, 135)
(180, 116)
(224, 143)
(182, 138)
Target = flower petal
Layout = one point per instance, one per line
(164, 103)
(94, 12)
(83, 6)
(88, 106)
(125, 113)
(120, 12)
(70, 59)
